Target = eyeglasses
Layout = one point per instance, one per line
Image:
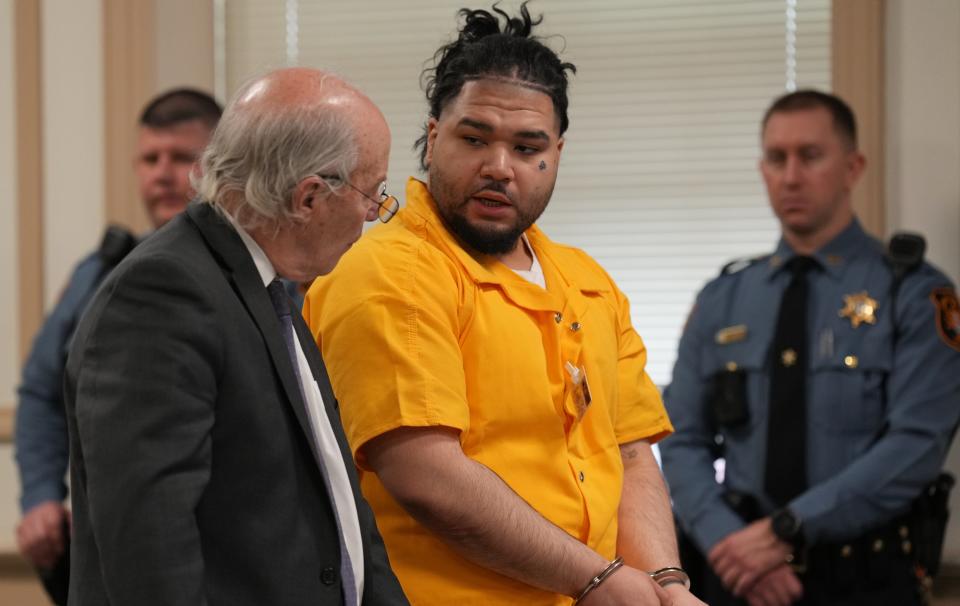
(387, 206)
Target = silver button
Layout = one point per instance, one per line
(575, 326)
(558, 317)
(581, 476)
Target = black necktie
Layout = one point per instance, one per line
(281, 304)
(786, 471)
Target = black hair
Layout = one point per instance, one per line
(181, 105)
(482, 49)
(844, 122)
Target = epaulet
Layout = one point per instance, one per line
(741, 264)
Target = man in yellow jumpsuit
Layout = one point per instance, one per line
(491, 384)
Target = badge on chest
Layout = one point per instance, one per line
(859, 308)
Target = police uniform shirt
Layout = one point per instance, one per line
(880, 414)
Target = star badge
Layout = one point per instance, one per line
(788, 357)
(859, 308)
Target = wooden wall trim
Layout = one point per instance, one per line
(6, 423)
(29, 158)
(129, 75)
(858, 77)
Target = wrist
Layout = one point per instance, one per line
(788, 527)
(671, 576)
(598, 580)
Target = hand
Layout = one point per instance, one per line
(40, 534)
(628, 587)
(779, 587)
(681, 596)
(742, 557)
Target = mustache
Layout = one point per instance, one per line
(493, 186)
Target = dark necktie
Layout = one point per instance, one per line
(786, 471)
(281, 304)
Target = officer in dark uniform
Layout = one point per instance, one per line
(827, 377)
(174, 130)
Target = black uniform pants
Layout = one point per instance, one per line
(900, 589)
(854, 574)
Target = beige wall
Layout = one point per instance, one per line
(9, 362)
(184, 38)
(923, 125)
(923, 146)
(73, 171)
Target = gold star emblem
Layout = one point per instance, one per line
(789, 357)
(859, 308)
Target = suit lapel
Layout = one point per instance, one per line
(226, 244)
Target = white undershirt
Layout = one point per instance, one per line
(329, 450)
(535, 273)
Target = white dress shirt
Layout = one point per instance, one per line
(339, 482)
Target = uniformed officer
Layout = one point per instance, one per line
(173, 129)
(829, 388)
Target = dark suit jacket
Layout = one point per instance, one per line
(193, 469)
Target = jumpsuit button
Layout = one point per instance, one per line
(575, 326)
(581, 476)
(558, 317)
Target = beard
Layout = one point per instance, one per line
(489, 239)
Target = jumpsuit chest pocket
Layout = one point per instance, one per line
(846, 392)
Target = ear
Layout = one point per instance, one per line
(304, 199)
(431, 139)
(560, 145)
(856, 164)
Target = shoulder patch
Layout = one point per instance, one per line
(740, 264)
(948, 315)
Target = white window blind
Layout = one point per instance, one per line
(658, 179)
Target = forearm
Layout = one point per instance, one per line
(872, 489)
(471, 509)
(646, 538)
(41, 448)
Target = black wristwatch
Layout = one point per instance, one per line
(787, 526)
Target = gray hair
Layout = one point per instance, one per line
(256, 158)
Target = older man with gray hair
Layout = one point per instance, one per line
(208, 463)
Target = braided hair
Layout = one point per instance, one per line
(485, 49)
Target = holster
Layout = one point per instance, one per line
(927, 522)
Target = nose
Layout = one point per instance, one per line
(793, 170)
(163, 169)
(372, 211)
(497, 165)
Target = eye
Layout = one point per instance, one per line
(472, 141)
(149, 158)
(774, 158)
(184, 158)
(811, 153)
(527, 150)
